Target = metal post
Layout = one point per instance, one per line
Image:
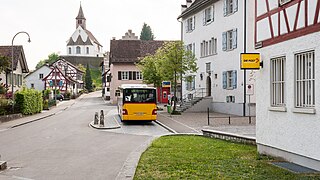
(229, 120)
(55, 83)
(245, 50)
(12, 90)
(208, 118)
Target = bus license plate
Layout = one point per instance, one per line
(139, 113)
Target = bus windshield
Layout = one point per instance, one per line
(139, 96)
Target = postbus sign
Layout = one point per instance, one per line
(250, 61)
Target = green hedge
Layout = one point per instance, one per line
(29, 101)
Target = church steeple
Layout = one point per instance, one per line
(80, 19)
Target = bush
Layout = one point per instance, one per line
(46, 104)
(29, 101)
(46, 93)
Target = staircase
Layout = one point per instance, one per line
(190, 99)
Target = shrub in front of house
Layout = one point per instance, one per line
(28, 101)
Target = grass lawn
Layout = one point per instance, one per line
(196, 157)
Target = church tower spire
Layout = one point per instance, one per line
(80, 19)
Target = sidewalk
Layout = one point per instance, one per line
(195, 123)
(61, 106)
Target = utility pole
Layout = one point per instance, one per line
(245, 51)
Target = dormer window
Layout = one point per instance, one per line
(282, 2)
(87, 50)
(69, 50)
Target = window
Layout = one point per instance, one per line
(69, 50)
(190, 25)
(124, 75)
(229, 40)
(230, 7)
(208, 15)
(138, 75)
(208, 67)
(230, 99)
(40, 76)
(117, 93)
(277, 74)
(229, 79)
(208, 48)
(87, 50)
(304, 80)
(78, 50)
(190, 83)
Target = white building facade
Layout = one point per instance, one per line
(34, 79)
(214, 31)
(287, 36)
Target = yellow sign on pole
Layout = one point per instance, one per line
(250, 61)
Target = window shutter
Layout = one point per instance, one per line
(224, 7)
(234, 79)
(194, 23)
(119, 75)
(235, 6)
(233, 99)
(224, 41)
(234, 39)
(130, 75)
(227, 99)
(186, 25)
(224, 79)
(134, 75)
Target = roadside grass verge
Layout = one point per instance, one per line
(196, 157)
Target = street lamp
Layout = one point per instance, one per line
(12, 65)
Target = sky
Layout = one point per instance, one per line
(50, 23)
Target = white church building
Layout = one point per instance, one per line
(82, 42)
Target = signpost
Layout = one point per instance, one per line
(250, 61)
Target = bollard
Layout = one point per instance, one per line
(208, 117)
(101, 118)
(96, 120)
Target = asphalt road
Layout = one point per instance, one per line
(64, 146)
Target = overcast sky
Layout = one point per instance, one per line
(51, 23)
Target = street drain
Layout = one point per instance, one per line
(294, 167)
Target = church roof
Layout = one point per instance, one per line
(91, 36)
(80, 14)
(79, 41)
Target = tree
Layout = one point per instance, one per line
(88, 79)
(171, 62)
(51, 59)
(146, 33)
(4, 63)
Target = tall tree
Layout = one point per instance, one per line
(4, 63)
(146, 33)
(171, 62)
(88, 79)
(51, 58)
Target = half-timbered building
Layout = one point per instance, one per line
(287, 34)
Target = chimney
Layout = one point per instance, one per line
(113, 38)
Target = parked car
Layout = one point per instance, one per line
(59, 97)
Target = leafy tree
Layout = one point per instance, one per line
(171, 62)
(4, 63)
(88, 79)
(51, 59)
(146, 33)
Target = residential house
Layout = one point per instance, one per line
(73, 74)
(20, 67)
(34, 79)
(123, 56)
(106, 78)
(287, 34)
(214, 31)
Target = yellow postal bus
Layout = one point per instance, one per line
(137, 102)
